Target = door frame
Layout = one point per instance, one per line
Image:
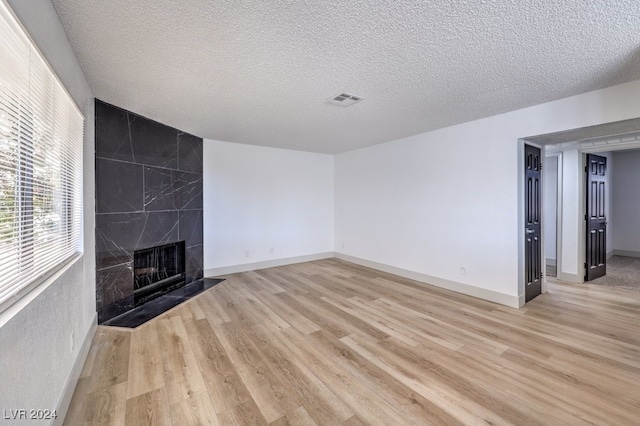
(562, 219)
(559, 197)
(580, 222)
(610, 136)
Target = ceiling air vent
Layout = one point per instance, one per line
(344, 99)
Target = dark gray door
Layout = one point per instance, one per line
(532, 212)
(596, 244)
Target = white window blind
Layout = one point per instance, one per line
(41, 132)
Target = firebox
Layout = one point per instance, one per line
(157, 270)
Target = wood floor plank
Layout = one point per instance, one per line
(267, 316)
(330, 342)
(212, 306)
(103, 407)
(151, 408)
(245, 413)
(112, 358)
(107, 406)
(315, 398)
(257, 282)
(442, 393)
(146, 367)
(410, 405)
(182, 376)
(459, 335)
(339, 322)
(271, 399)
(383, 326)
(195, 410)
(223, 383)
(292, 317)
(318, 317)
(191, 311)
(363, 401)
(412, 329)
(298, 417)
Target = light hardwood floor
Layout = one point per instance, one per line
(330, 342)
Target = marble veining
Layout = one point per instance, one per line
(148, 193)
(153, 143)
(193, 264)
(159, 189)
(113, 283)
(189, 153)
(187, 190)
(113, 139)
(191, 227)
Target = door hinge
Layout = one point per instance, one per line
(585, 265)
(585, 217)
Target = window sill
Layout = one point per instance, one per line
(14, 305)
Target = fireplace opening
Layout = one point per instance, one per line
(157, 270)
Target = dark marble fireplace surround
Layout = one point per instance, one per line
(148, 193)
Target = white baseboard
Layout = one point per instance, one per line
(234, 269)
(628, 253)
(551, 262)
(72, 381)
(570, 278)
(481, 293)
(522, 300)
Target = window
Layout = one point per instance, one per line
(41, 132)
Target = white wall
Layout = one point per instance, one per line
(626, 202)
(573, 211)
(41, 337)
(442, 200)
(264, 204)
(608, 200)
(550, 205)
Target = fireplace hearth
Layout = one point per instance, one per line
(157, 270)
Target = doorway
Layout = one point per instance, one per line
(570, 148)
(623, 228)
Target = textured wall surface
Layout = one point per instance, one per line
(148, 193)
(41, 336)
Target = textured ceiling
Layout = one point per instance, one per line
(259, 72)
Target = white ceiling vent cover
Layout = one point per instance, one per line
(344, 99)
